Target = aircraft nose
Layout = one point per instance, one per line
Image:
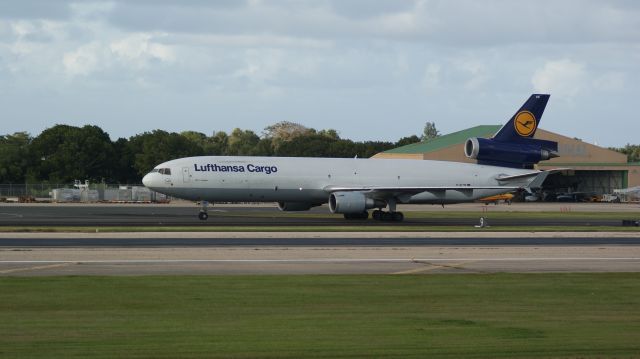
(146, 180)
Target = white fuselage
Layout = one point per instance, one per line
(308, 180)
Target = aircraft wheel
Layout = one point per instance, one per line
(387, 216)
(377, 215)
(397, 216)
(203, 216)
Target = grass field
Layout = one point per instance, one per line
(453, 316)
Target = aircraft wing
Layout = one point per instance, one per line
(510, 183)
(412, 190)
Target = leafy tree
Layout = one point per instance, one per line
(153, 148)
(242, 143)
(310, 145)
(407, 140)
(430, 132)
(632, 152)
(285, 130)
(14, 157)
(330, 133)
(218, 143)
(198, 138)
(63, 153)
(123, 170)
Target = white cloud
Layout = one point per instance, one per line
(475, 72)
(84, 60)
(313, 60)
(139, 50)
(564, 78)
(611, 81)
(431, 78)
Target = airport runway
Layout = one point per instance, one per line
(316, 260)
(219, 253)
(200, 254)
(8, 241)
(170, 215)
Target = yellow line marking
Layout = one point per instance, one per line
(432, 267)
(8, 271)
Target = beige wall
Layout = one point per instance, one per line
(575, 151)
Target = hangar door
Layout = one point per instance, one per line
(597, 182)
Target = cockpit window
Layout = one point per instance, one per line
(165, 171)
(154, 170)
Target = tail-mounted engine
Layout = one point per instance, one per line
(523, 153)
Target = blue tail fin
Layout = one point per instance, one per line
(514, 145)
(525, 121)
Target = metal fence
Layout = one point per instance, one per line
(68, 192)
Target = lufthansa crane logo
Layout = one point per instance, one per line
(525, 123)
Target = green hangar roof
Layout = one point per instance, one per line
(444, 141)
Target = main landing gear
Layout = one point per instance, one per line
(391, 216)
(203, 215)
(379, 215)
(362, 216)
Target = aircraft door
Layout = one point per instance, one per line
(186, 175)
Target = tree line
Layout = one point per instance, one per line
(64, 153)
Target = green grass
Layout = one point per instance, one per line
(451, 316)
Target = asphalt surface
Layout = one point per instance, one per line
(153, 215)
(310, 242)
(316, 260)
(219, 253)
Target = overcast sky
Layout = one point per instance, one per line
(369, 69)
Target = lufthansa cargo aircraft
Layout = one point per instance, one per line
(353, 186)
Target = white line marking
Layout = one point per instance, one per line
(11, 215)
(325, 260)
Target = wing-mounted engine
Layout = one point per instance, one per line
(523, 153)
(352, 202)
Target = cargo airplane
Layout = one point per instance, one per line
(353, 186)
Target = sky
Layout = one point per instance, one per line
(372, 70)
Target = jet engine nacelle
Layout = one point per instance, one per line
(295, 206)
(522, 154)
(352, 202)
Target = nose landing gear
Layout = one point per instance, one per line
(203, 215)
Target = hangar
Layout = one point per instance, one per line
(593, 169)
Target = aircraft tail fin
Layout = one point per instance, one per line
(513, 145)
(525, 122)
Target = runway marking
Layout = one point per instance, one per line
(12, 215)
(433, 267)
(64, 264)
(324, 260)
